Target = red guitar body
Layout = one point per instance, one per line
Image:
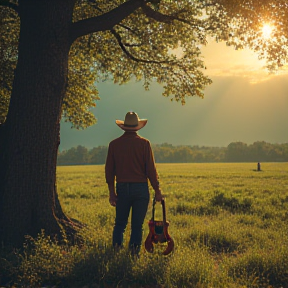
(158, 232)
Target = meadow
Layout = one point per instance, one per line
(228, 221)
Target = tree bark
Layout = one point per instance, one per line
(30, 136)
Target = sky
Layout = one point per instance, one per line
(244, 103)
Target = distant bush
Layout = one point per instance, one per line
(188, 209)
(261, 267)
(231, 203)
(215, 241)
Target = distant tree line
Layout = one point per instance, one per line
(259, 151)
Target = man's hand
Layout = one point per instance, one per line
(112, 194)
(158, 195)
(113, 199)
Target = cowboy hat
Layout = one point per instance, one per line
(131, 122)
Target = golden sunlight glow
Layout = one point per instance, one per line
(267, 30)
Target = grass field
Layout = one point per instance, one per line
(228, 221)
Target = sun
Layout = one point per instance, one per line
(267, 30)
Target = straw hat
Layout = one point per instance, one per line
(131, 122)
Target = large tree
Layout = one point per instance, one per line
(62, 47)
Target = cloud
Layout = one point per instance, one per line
(225, 61)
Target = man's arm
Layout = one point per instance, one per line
(158, 195)
(152, 173)
(110, 176)
(112, 194)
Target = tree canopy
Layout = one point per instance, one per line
(9, 33)
(247, 19)
(160, 42)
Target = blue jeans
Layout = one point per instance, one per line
(135, 197)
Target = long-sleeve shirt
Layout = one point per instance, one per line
(130, 159)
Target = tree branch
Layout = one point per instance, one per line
(157, 16)
(105, 21)
(132, 57)
(8, 4)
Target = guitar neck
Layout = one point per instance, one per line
(163, 210)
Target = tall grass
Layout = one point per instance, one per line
(228, 221)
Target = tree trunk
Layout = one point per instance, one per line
(30, 136)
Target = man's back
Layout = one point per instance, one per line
(130, 159)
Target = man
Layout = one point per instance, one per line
(130, 161)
